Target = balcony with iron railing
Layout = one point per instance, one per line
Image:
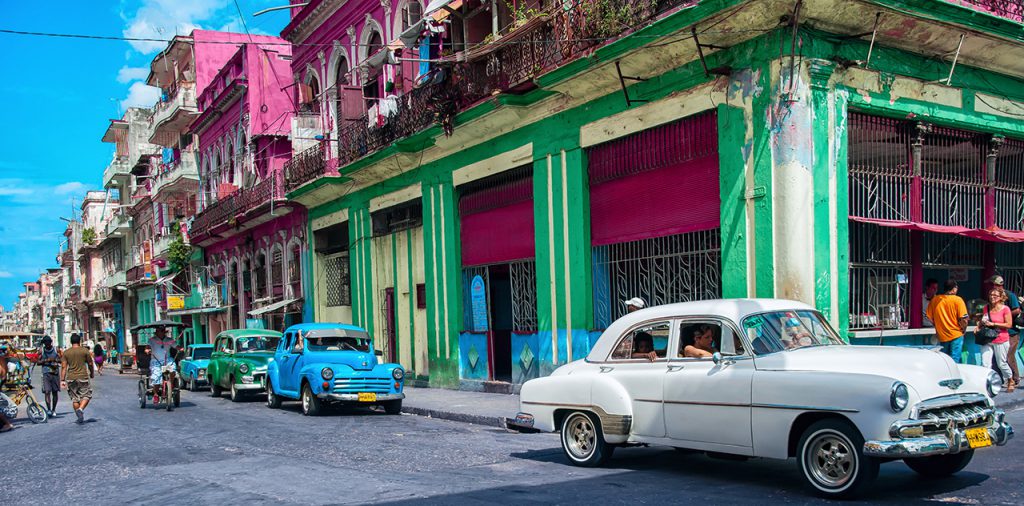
(116, 277)
(180, 175)
(173, 114)
(561, 33)
(119, 224)
(1012, 10)
(239, 208)
(117, 173)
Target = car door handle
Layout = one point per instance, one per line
(673, 368)
(605, 368)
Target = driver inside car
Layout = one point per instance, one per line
(160, 346)
(796, 335)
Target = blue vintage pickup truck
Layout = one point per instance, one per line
(320, 363)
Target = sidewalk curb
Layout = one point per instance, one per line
(491, 421)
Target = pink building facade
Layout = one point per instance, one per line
(252, 238)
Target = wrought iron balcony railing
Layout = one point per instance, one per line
(1009, 9)
(562, 33)
(305, 166)
(239, 203)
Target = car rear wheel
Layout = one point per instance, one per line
(831, 458)
(940, 465)
(273, 401)
(310, 403)
(215, 389)
(583, 440)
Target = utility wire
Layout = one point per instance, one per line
(241, 17)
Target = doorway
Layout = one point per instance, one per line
(500, 335)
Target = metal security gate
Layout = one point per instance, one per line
(661, 270)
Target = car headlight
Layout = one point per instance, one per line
(397, 373)
(994, 384)
(244, 368)
(899, 396)
(327, 373)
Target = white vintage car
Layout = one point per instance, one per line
(779, 383)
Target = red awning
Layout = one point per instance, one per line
(985, 234)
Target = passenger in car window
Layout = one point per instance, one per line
(643, 346)
(702, 344)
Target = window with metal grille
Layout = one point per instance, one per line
(1009, 185)
(879, 260)
(397, 218)
(276, 276)
(336, 280)
(523, 284)
(661, 270)
(879, 167)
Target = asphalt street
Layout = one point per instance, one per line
(215, 451)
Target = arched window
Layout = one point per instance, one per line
(214, 176)
(260, 290)
(371, 88)
(344, 90)
(277, 271)
(409, 14)
(295, 268)
(230, 163)
(314, 92)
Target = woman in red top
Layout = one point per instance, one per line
(998, 316)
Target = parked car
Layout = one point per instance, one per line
(239, 361)
(778, 382)
(194, 366)
(332, 363)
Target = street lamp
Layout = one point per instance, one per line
(290, 6)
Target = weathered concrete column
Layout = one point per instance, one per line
(442, 262)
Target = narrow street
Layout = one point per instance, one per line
(212, 451)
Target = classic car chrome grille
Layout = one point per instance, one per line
(961, 415)
(356, 385)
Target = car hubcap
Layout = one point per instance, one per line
(305, 400)
(580, 436)
(830, 460)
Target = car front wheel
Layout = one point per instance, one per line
(583, 440)
(393, 407)
(273, 401)
(830, 456)
(940, 465)
(310, 402)
(236, 396)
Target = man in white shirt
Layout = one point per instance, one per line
(160, 346)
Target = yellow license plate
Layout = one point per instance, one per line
(372, 397)
(978, 437)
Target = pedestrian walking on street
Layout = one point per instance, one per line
(997, 316)
(5, 424)
(76, 371)
(49, 360)
(1013, 302)
(949, 313)
(97, 353)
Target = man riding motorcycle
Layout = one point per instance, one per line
(162, 350)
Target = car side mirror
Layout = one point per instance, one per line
(716, 357)
(379, 353)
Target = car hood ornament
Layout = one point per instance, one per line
(951, 384)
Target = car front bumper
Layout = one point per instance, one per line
(954, 440)
(256, 382)
(355, 397)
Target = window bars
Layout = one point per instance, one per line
(1009, 185)
(336, 280)
(660, 270)
(523, 284)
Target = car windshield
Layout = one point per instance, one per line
(201, 353)
(338, 343)
(788, 330)
(257, 343)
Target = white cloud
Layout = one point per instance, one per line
(140, 95)
(69, 188)
(163, 19)
(128, 74)
(6, 274)
(11, 191)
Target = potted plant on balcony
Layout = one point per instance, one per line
(88, 236)
(607, 18)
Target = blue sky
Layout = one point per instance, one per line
(58, 95)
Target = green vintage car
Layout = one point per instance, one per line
(239, 361)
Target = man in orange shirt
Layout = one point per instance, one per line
(949, 313)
